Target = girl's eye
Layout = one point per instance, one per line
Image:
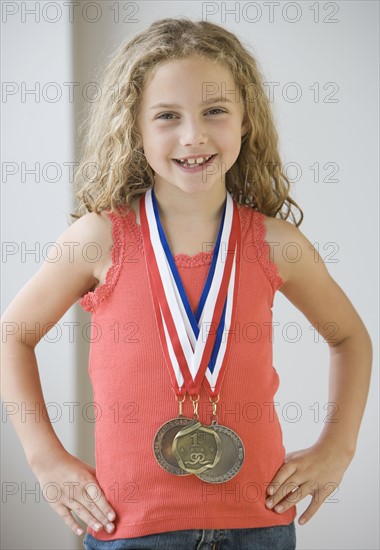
(164, 116)
(220, 110)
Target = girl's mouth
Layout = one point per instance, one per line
(192, 166)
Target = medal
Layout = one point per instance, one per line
(184, 446)
(231, 459)
(197, 448)
(162, 444)
(232, 456)
(163, 441)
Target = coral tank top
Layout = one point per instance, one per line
(133, 395)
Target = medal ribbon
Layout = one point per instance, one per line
(190, 358)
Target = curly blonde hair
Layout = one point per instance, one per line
(113, 145)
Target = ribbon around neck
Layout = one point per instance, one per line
(191, 356)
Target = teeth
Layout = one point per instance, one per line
(199, 160)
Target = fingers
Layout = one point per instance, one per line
(96, 494)
(89, 503)
(281, 505)
(314, 471)
(291, 490)
(97, 507)
(294, 498)
(92, 516)
(312, 508)
(287, 470)
(293, 493)
(282, 476)
(68, 519)
(285, 489)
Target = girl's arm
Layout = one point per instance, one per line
(33, 312)
(310, 288)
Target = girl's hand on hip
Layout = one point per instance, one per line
(315, 471)
(75, 489)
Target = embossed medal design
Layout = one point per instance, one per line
(162, 444)
(197, 448)
(232, 457)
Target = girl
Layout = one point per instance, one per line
(187, 191)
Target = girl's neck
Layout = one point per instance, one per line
(175, 206)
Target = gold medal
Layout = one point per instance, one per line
(162, 444)
(163, 441)
(197, 448)
(231, 459)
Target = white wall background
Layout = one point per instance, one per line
(34, 212)
(298, 43)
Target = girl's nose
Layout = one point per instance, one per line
(193, 133)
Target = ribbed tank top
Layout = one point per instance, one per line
(133, 396)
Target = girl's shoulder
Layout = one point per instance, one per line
(298, 262)
(277, 230)
(94, 225)
(97, 232)
(289, 249)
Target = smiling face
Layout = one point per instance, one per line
(191, 108)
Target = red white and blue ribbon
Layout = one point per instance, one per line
(196, 347)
